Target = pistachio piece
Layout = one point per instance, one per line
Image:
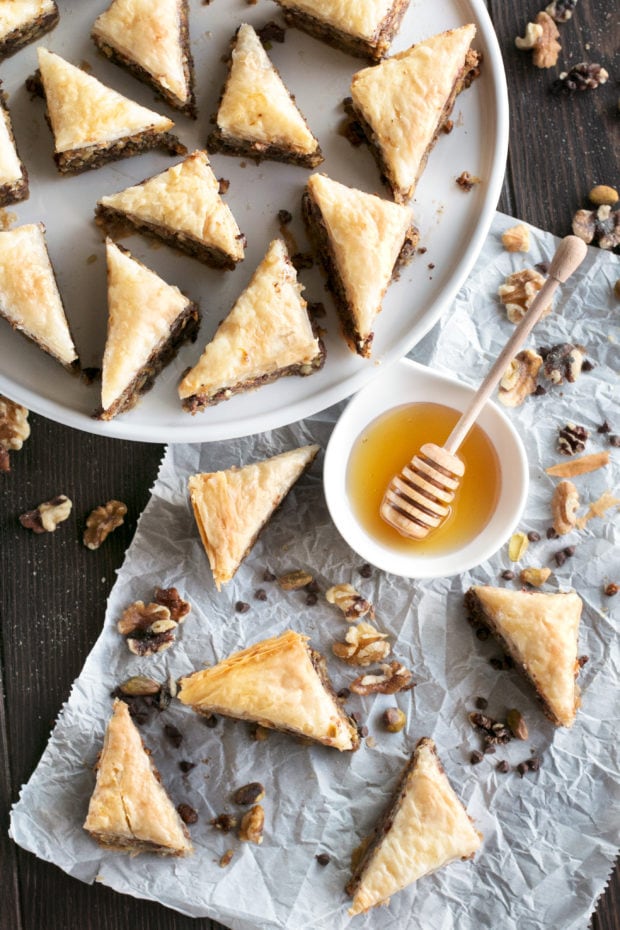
(394, 719)
(517, 724)
(293, 581)
(139, 686)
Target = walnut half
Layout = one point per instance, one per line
(541, 37)
(520, 377)
(48, 515)
(102, 521)
(363, 645)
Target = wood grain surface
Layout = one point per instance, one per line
(54, 590)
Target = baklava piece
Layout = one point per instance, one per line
(23, 21)
(13, 174)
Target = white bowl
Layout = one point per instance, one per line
(408, 382)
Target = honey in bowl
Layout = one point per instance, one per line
(389, 443)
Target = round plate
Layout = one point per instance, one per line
(452, 224)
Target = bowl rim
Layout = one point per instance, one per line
(403, 380)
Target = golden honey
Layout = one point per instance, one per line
(389, 443)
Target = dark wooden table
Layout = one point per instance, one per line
(54, 591)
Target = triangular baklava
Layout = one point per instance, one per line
(181, 206)
(424, 827)
(361, 241)
(13, 175)
(266, 335)
(231, 507)
(257, 115)
(147, 321)
(361, 27)
(93, 124)
(540, 632)
(29, 297)
(129, 810)
(23, 21)
(402, 103)
(151, 39)
(280, 683)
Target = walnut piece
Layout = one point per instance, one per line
(352, 604)
(519, 379)
(363, 645)
(561, 10)
(572, 439)
(533, 35)
(392, 678)
(583, 76)
(252, 825)
(14, 429)
(518, 291)
(102, 521)
(148, 628)
(561, 361)
(170, 598)
(467, 181)
(48, 515)
(541, 37)
(600, 227)
(564, 506)
(582, 466)
(516, 239)
(534, 576)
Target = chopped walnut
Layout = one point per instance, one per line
(467, 181)
(102, 521)
(14, 429)
(561, 10)
(518, 292)
(561, 361)
(148, 628)
(541, 37)
(516, 239)
(581, 466)
(572, 439)
(170, 598)
(534, 576)
(392, 678)
(352, 604)
(364, 645)
(519, 379)
(494, 732)
(583, 76)
(252, 825)
(48, 515)
(600, 227)
(564, 506)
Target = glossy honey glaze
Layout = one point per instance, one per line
(389, 443)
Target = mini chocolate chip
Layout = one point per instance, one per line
(507, 662)
(570, 551)
(551, 533)
(540, 390)
(614, 441)
(482, 634)
(301, 260)
(507, 575)
(284, 217)
(534, 764)
(174, 736)
(522, 768)
(186, 766)
(260, 594)
(365, 570)
(187, 814)
(604, 427)
(323, 859)
(543, 267)
(344, 694)
(210, 721)
(497, 664)
(268, 576)
(502, 767)
(587, 365)
(242, 607)
(313, 587)
(533, 536)
(356, 716)
(583, 660)
(481, 703)
(224, 184)
(363, 732)
(311, 599)
(476, 757)
(611, 589)
(560, 557)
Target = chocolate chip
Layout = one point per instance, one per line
(476, 757)
(507, 575)
(356, 716)
(365, 570)
(497, 664)
(583, 660)
(344, 694)
(311, 599)
(313, 587)
(323, 859)
(224, 822)
(560, 557)
(604, 427)
(533, 536)
(551, 533)
(540, 390)
(482, 634)
(242, 607)
(260, 594)
(481, 703)
(174, 736)
(210, 721)
(187, 814)
(489, 750)
(570, 551)
(614, 441)
(534, 764)
(268, 576)
(284, 217)
(502, 766)
(224, 184)
(186, 766)
(543, 267)
(301, 260)
(522, 768)
(588, 365)
(363, 732)
(611, 589)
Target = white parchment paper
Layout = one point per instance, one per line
(549, 838)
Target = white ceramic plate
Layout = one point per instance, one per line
(408, 382)
(452, 224)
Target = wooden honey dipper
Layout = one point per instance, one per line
(418, 499)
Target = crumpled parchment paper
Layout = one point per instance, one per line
(549, 838)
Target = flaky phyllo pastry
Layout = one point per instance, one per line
(129, 810)
(280, 683)
(540, 632)
(424, 827)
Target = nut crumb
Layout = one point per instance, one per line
(599, 227)
(516, 724)
(352, 604)
(516, 239)
(252, 825)
(561, 10)
(48, 515)
(139, 686)
(583, 76)
(102, 521)
(572, 439)
(224, 822)
(226, 859)
(467, 181)
(603, 194)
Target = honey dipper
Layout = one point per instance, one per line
(418, 499)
